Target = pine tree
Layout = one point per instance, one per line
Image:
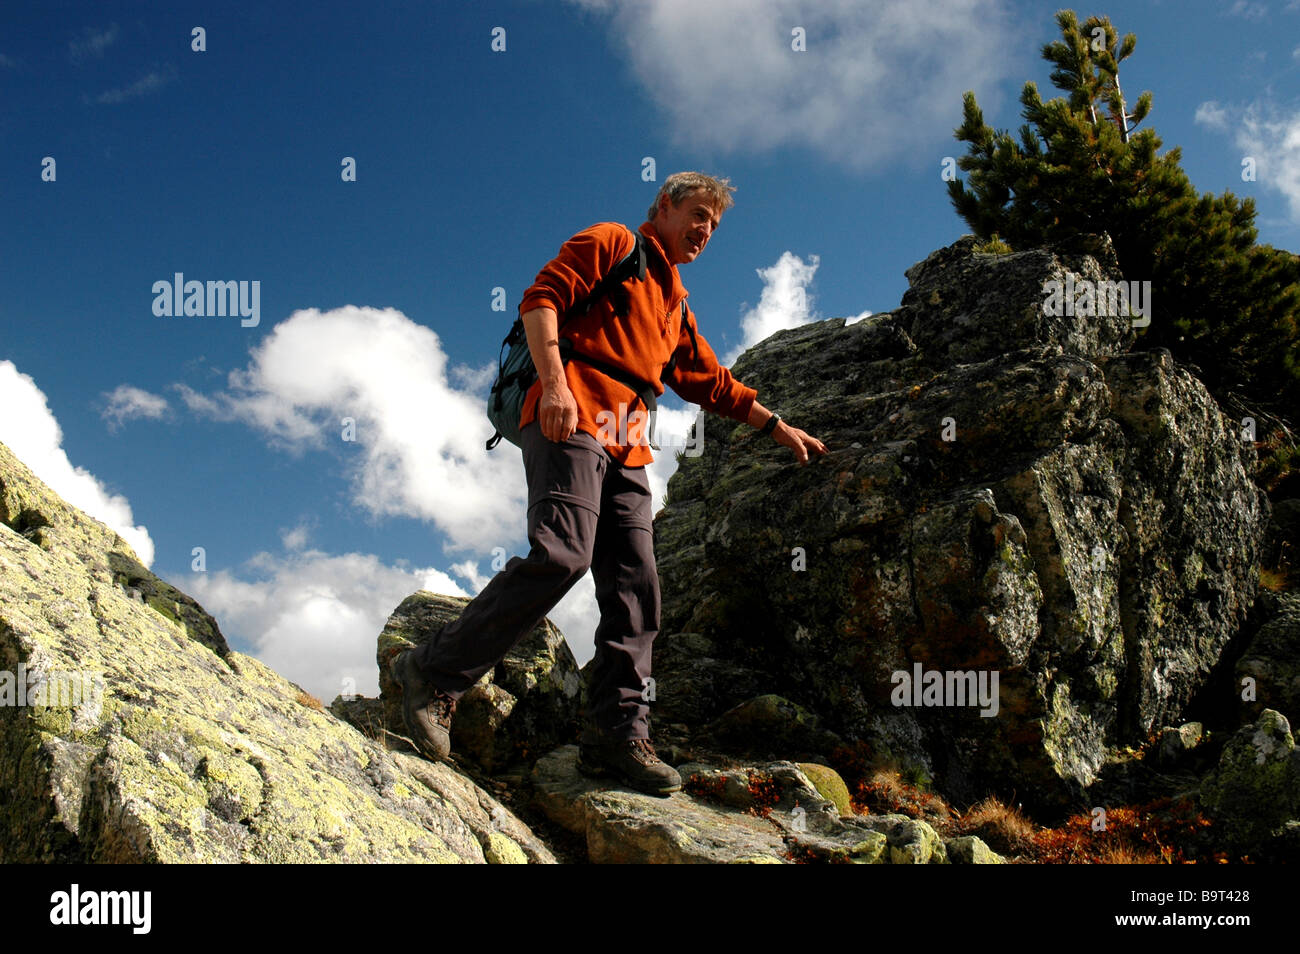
(1081, 165)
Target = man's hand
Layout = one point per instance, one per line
(798, 441)
(557, 412)
(801, 442)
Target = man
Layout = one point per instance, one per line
(584, 446)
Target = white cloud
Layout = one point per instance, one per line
(469, 571)
(29, 429)
(1268, 134)
(1273, 138)
(126, 402)
(296, 538)
(672, 427)
(474, 380)
(785, 301)
(92, 42)
(1213, 115)
(877, 80)
(314, 618)
(420, 437)
(1248, 9)
(150, 82)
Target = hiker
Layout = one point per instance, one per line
(588, 496)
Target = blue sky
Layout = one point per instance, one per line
(473, 165)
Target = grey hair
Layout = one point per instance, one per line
(681, 184)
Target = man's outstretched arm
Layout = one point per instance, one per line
(801, 442)
(699, 378)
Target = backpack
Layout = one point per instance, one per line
(516, 372)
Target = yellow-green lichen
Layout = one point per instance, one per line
(501, 850)
(829, 785)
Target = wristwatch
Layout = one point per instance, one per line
(772, 421)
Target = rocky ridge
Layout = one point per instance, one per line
(1008, 492)
(163, 745)
(138, 735)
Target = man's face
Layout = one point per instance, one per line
(685, 229)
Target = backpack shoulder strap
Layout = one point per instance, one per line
(695, 348)
(631, 265)
(695, 342)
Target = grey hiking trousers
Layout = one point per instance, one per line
(584, 510)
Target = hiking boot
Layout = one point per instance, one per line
(426, 709)
(632, 760)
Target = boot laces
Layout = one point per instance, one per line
(442, 707)
(644, 752)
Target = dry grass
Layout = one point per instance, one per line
(1274, 580)
(1128, 855)
(308, 700)
(1000, 826)
(885, 790)
(1158, 832)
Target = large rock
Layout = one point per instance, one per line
(526, 705)
(1254, 792)
(130, 732)
(1007, 493)
(769, 813)
(1272, 660)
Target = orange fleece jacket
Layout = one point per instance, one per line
(641, 342)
